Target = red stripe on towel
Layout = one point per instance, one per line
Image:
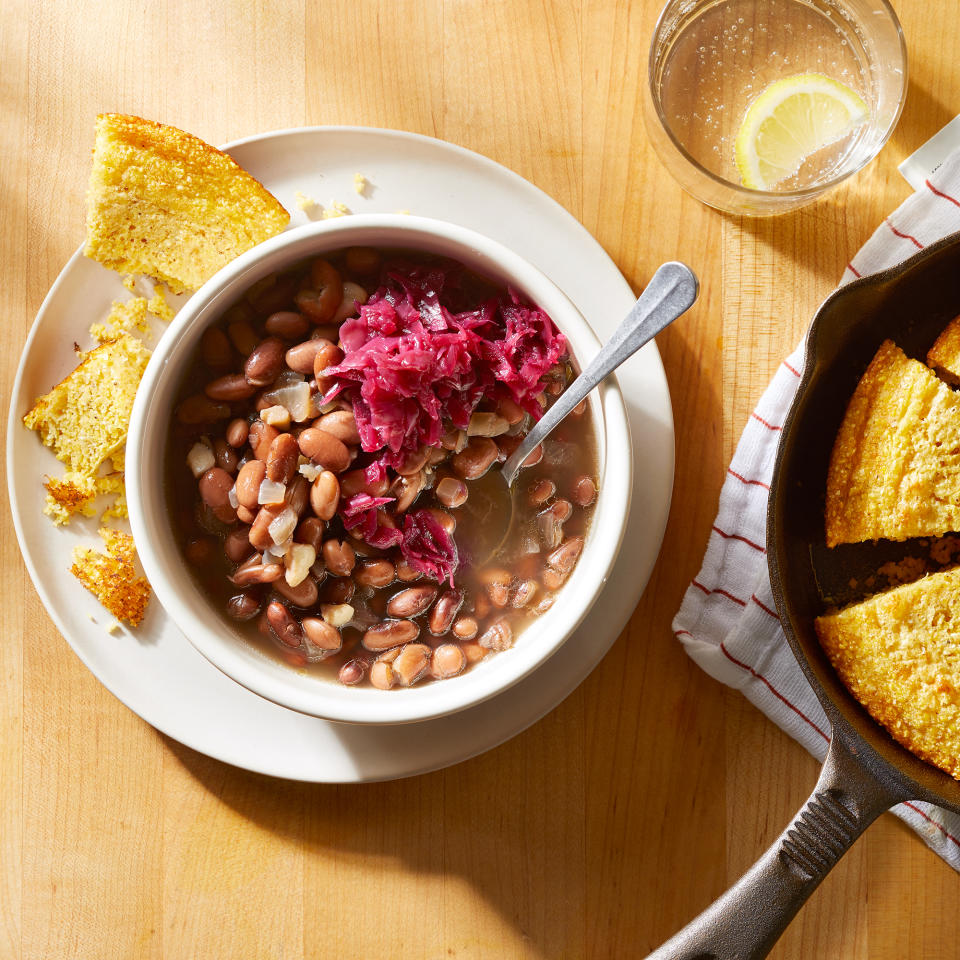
(904, 236)
(736, 536)
(758, 483)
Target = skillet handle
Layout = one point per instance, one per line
(747, 920)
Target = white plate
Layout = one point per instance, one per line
(154, 670)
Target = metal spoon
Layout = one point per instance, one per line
(671, 291)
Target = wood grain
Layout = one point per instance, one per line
(607, 825)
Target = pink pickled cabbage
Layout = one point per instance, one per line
(413, 368)
(428, 547)
(362, 510)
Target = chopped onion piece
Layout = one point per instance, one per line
(310, 470)
(294, 397)
(336, 614)
(276, 554)
(282, 526)
(299, 559)
(200, 459)
(276, 416)
(271, 493)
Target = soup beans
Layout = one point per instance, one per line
(299, 537)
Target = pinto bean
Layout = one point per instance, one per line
(287, 324)
(260, 538)
(282, 458)
(319, 301)
(237, 545)
(328, 356)
(324, 449)
(584, 491)
(243, 336)
(227, 458)
(198, 409)
(251, 475)
(265, 362)
(390, 633)
(284, 624)
(325, 495)
(411, 663)
(565, 557)
(374, 573)
(243, 606)
(444, 613)
(362, 261)
(229, 388)
(524, 593)
(447, 661)
(245, 515)
(261, 437)
(355, 481)
(476, 458)
(237, 432)
(300, 357)
(215, 486)
(304, 594)
(407, 489)
(411, 602)
(497, 581)
(321, 634)
(498, 636)
(255, 571)
(541, 492)
(310, 530)
(451, 492)
(337, 590)
(352, 672)
(340, 424)
(465, 628)
(382, 676)
(215, 349)
(339, 557)
(406, 573)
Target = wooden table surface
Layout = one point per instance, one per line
(603, 828)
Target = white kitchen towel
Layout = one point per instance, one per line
(728, 621)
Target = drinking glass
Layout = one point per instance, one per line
(710, 59)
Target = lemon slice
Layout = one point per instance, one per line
(789, 121)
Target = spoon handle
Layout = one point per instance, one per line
(670, 292)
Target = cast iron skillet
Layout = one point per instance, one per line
(865, 772)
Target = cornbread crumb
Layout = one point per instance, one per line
(899, 654)
(124, 317)
(85, 418)
(360, 184)
(306, 203)
(112, 578)
(335, 209)
(164, 203)
(404, 211)
(75, 493)
(944, 355)
(895, 467)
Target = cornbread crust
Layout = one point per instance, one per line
(944, 355)
(112, 578)
(899, 655)
(162, 202)
(895, 467)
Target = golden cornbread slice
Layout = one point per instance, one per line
(895, 468)
(944, 355)
(112, 577)
(899, 655)
(85, 417)
(164, 203)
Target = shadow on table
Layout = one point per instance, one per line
(596, 832)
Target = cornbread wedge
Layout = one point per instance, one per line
(85, 417)
(944, 355)
(899, 655)
(112, 578)
(895, 468)
(164, 203)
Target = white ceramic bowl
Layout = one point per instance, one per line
(207, 627)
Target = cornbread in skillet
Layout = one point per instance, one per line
(899, 655)
(944, 355)
(164, 203)
(112, 578)
(895, 467)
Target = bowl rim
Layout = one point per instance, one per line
(296, 689)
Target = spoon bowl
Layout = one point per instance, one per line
(490, 511)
